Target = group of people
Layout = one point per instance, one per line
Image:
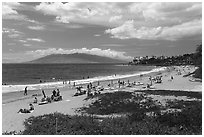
(55, 97)
(157, 79)
(90, 90)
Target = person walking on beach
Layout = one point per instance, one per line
(25, 91)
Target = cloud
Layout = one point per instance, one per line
(86, 12)
(115, 18)
(97, 35)
(11, 44)
(74, 26)
(12, 33)
(35, 39)
(23, 41)
(9, 31)
(36, 27)
(94, 51)
(27, 45)
(112, 45)
(8, 8)
(132, 20)
(128, 30)
(9, 12)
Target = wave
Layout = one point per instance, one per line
(58, 84)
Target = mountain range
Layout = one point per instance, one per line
(77, 58)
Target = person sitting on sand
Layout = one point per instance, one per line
(35, 100)
(54, 93)
(148, 85)
(58, 93)
(31, 108)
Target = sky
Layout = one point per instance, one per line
(118, 30)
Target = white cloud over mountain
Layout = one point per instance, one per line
(94, 51)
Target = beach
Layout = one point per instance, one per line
(13, 98)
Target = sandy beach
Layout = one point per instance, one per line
(13, 101)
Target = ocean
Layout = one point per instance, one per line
(18, 74)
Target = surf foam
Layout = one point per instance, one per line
(15, 88)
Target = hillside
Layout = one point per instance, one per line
(75, 58)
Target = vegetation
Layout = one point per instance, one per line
(189, 94)
(135, 122)
(120, 102)
(198, 62)
(186, 59)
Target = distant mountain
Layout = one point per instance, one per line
(75, 58)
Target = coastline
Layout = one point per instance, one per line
(59, 84)
(13, 101)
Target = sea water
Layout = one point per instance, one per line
(16, 76)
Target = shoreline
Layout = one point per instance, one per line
(47, 85)
(13, 101)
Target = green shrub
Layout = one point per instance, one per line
(119, 102)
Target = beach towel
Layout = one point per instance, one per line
(42, 103)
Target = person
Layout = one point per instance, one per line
(90, 85)
(58, 92)
(35, 100)
(43, 92)
(148, 85)
(31, 108)
(54, 93)
(150, 78)
(25, 91)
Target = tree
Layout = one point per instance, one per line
(198, 61)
